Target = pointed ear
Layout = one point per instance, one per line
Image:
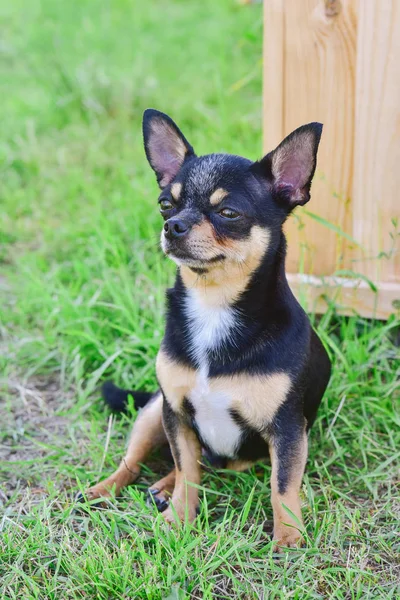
(291, 166)
(166, 147)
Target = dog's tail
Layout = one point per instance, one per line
(117, 398)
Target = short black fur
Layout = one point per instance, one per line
(117, 399)
(274, 334)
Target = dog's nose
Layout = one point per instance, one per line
(175, 228)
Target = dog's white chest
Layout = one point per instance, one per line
(213, 418)
(211, 328)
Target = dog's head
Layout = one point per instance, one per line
(221, 208)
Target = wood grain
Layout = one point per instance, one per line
(349, 295)
(318, 85)
(376, 192)
(273, 76)
(337, 62)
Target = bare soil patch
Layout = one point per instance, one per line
(31, 428)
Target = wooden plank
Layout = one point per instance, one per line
(377, 140)
(319, 41)
(273, 77)
(337, 62)
(349, 295)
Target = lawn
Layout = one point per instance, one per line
(82, 284)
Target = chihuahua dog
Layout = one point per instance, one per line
(240, 369)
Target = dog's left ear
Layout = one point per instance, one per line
(165, 145)
(291, 166)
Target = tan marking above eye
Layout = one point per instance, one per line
(176, 189)
(217, 196)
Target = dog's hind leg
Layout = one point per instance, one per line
(161, 492)
(147, 434)
(239, 465)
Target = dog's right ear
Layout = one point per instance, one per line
(165, 145)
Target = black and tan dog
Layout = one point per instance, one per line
(241, 372)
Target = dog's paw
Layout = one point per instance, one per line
(159, 498)
(97, 492)
(171, 517)
(179, 514)
(287, 537)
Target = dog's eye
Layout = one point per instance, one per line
(229, 213)
(165, 205)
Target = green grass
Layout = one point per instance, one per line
(82, 286)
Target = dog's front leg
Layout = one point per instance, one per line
(288, 452)
(186, 450)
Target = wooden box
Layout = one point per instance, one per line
(338, 62)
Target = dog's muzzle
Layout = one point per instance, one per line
(175, 228)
